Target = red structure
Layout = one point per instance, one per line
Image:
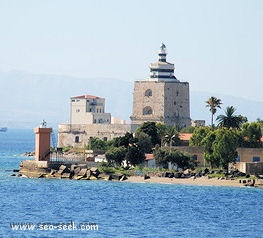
(42, 144)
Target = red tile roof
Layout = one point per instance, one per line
(185, 136)
(86, 96)
(149, 156)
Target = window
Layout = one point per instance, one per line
(105, 138)
(77, 110)
(77, 139)
(148, 93)
(256, 158)
(147, 110)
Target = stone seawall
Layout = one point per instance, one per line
(65, 170)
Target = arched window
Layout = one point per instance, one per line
(148, 93)
(147, 111)
(77, 139)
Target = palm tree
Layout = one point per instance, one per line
(213, 103)
(230, 120)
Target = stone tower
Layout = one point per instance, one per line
(162, 97)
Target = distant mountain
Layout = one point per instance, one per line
(26, 99)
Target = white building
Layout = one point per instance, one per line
(88, 109)
(89, 120)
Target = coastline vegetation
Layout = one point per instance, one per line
(220, 143)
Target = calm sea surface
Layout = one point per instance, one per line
(61, 208)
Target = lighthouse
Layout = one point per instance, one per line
(42, 142)
(162, 71)
(161, 97)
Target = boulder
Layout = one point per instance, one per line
(124, 177)
(116, 176)
(65, 175)
(82, 172)
(187, 171)
(92, 178)
(73, 167)
(146, 177)
(108, 177)
(82, 166)
(52, 172)
(62, 167)
(78, 177)
(76, 171)
(88, 173)
(178, 175)
(168, 174)
(94, 171)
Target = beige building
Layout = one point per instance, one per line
(89, 120)
(162, 97)
(245, 155)
(88, 109)
(78, 135)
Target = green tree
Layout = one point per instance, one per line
(97, 144)
(198, 135)
(225, 146)
(162, 157)
(123, 140)
(135, 155)
(219, 145)
(116, 155)
(161, 131)
(168, 134)
(150, 129)
(144, 141)
(261, 124)
(230, 120)
(213, 103)
(171, 136)
(189, 129)
(251, 135)
(183, 160)
(207, 143)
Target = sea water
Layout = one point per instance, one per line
(66, 208)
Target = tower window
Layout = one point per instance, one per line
(148, 93)
(147, 111)
(77, 139)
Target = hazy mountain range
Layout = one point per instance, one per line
(26, 99)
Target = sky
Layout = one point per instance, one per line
(216, 46)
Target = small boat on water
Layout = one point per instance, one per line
(3, 129)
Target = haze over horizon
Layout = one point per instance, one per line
(47, 96)
(216, 46)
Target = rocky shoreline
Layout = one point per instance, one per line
(74, 171)
(81, 171)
